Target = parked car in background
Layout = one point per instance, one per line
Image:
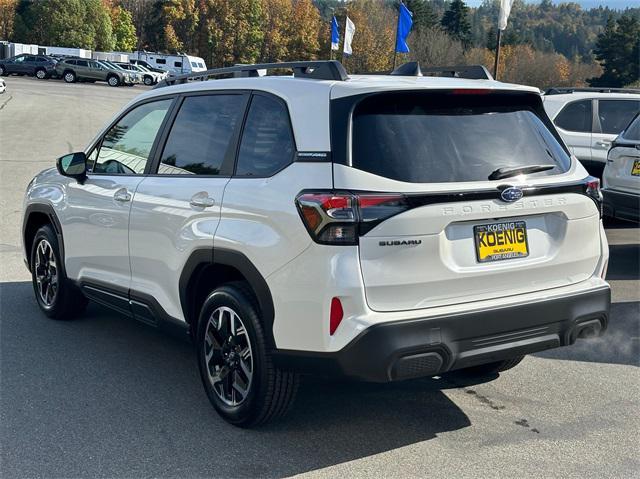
(148, 77)
(81, 69)
(621, 177)
(3, 86)
(136, 76)
(40, 66)
(146, 65)
(589, 119)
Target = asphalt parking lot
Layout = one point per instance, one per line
(107, 397)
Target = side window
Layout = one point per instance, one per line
(31, 59)
(267, 143)
(633, 132)
(177, 64)
(127, 145)
(161, 61)
(576, 116)
(81, 63)
(201, 135)
(20, 59)
(615, 115)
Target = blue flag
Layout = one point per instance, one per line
(405, 21)
(335, 34)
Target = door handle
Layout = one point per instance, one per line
(122, 195)
(202, 200)
(603, 144)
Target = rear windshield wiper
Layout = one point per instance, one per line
(507, 172)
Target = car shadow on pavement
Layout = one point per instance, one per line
(624, 262)
(106, 396)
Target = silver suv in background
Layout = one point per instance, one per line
(621, 177)
(589, 119)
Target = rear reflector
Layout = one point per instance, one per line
(335, 316)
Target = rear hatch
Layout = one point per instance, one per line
(482, 200)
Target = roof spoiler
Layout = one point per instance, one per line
(313, 70)
(471, 72)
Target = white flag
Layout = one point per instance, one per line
(505, 10)
(349, 30)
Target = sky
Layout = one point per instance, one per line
(617, 4)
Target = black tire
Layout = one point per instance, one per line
(492, 368)
(269, 391)
(69, 76)
(113, 80)
(148, 81)
(3, 71)
(40, 73)
(64, 300)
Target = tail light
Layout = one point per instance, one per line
(592, 190)
(339, 218)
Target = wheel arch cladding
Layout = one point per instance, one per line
(37, 215)
(208, 268)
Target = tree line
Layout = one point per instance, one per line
(545, 44)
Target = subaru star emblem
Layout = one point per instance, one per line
(511, 194)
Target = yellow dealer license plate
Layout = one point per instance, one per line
(635, 169)
(499, 241)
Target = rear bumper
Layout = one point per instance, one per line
(619, 204)
(426, 347)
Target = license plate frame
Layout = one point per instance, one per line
(488, 253)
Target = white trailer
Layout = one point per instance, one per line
(177, 64)
(72, 52)
(111, 57)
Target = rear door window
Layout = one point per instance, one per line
(576, 116)
(615, 115)
(431, 138)
(267, 142)
(202, 134)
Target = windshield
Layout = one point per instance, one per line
(437, 137)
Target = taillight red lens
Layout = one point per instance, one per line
(592, 189)
(335, 316)
(339, 218)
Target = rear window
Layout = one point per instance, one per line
(434, 138)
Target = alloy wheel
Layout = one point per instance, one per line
(41, 74)
(113, 81)
(69, 78)
(46, 272)
(228, 356)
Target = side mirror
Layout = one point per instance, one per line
(73, 165)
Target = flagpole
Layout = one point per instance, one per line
(495, 65)
(333, 15)
(395, 49)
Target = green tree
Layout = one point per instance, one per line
(124, 32)
(231, 31)
(456, 21)
(424, 16)
(617, 50)
(65, 23)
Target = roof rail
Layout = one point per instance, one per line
(314, 70)
(562, 90)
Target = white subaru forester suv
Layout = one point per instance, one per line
(379, 227)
